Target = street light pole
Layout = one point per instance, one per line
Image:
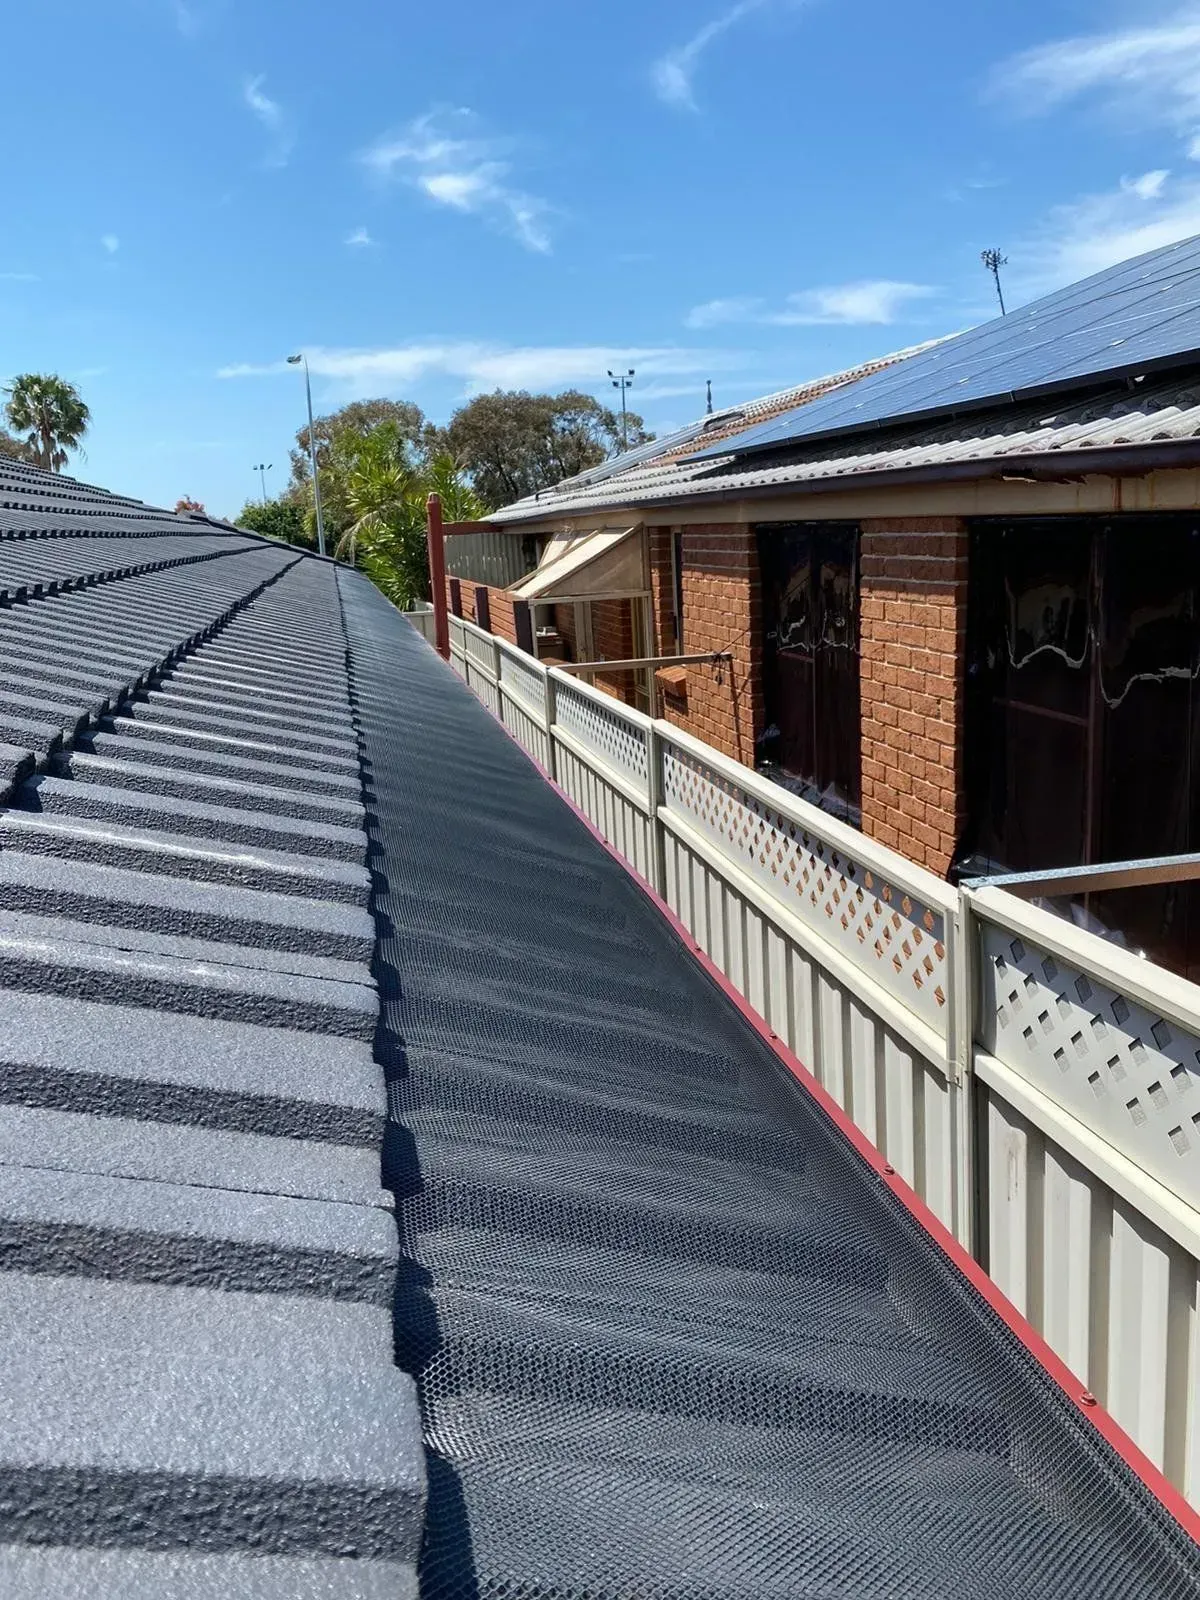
(262, 468)
(312, 451)
(625, 381)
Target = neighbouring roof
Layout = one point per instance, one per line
(1041, 430)
(197, 1255)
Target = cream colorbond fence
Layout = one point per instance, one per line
(1038, 1087)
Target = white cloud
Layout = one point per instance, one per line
(480, 367)
(1097, 230)
(186, 19)
(672, 74)
(1149, 186)
(442, 154)
(19, 277)
(875, 301)
(273, 118)
(359, 239)
(1149, 73)
(111, 243)
(715, 312)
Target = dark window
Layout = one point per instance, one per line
(811, 738)
(1082, 658)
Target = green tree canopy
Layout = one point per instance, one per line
(278, 519)
(512, 443)
(359, 417)
(50, 413)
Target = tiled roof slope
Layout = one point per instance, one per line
(661, 455)
(197, 1388)
(1168, 411)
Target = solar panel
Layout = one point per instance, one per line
(1137, 315)
(640, 453)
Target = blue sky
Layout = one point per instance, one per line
(434, 200)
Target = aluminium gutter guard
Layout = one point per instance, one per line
(677, 1333)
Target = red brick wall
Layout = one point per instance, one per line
(500, 604)
(913, 601)
(722, 610)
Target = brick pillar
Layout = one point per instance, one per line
(913, 609)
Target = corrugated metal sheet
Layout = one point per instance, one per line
(497, 559)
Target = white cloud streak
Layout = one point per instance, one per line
(672, 74)
(19, 277)
(872, 302)
(186, 20)
(359, 239)
(442, 155)
(274, 119)
(1097, 230)
(111, 243)
(479, 367)
(1149, 73)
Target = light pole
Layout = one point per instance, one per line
(625, 381)
(312, 451)
(262, 468)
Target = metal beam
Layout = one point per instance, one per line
(1092, 880)
(710, 656)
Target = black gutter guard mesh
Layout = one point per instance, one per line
(675, 1341)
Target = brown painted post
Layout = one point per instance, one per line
(437, 574)
(483, 609)
(523, 626)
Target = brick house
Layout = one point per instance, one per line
(975, 634)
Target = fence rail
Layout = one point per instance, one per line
(1038, 1087)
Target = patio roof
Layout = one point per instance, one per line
(603, 564)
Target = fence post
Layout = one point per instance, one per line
(654, 781)
(963, 1003)
(436, 546)
(551, 719)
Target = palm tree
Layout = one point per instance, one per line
(51, 414)
(377, 480)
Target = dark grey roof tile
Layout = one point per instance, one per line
(152, 902)
(195, 1235)
(79, 1055)
(236, 826)
(121, 1147)
(204, 1419)
(74, 838)
(55, 1572)
(126, 967)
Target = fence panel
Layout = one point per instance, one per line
(887, 917)
(1113, 1294)
(897, 1093)
(525, 701)
(482, 672)
(458, 644)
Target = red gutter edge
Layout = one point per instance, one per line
(1055, 1368)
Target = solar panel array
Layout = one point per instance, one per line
(1139, 314)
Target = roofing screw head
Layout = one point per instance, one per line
(889, 1168)
(1087, 1398)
